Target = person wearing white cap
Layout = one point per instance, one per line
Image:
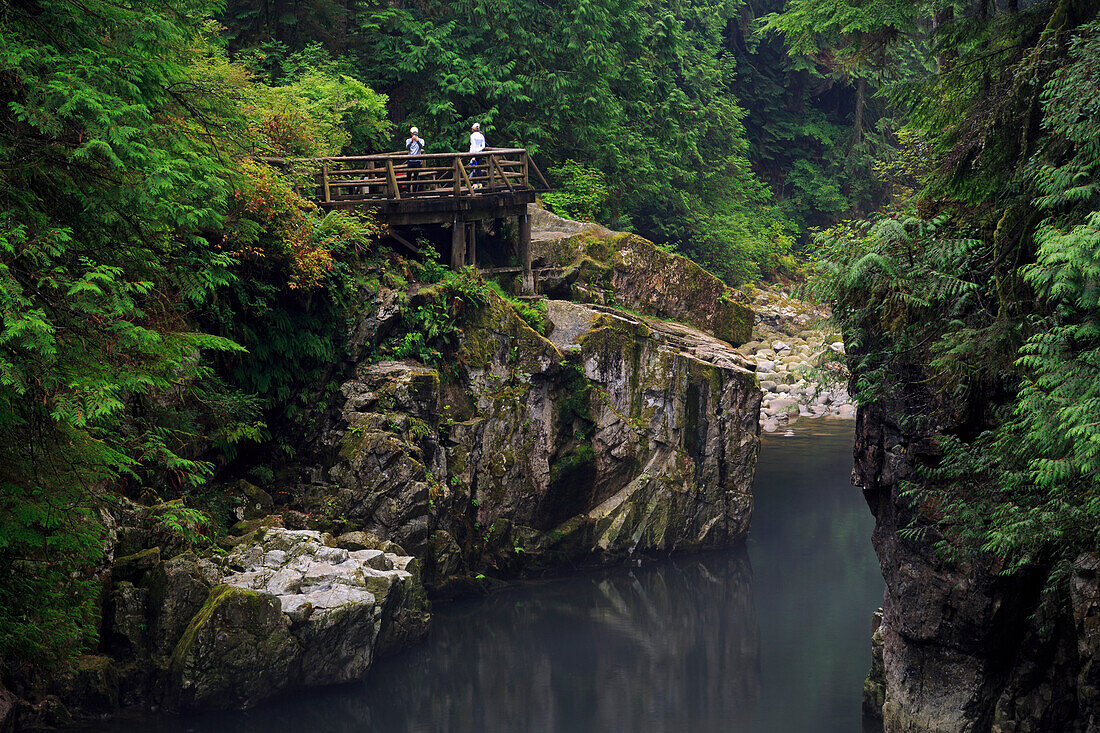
(477, 144)
(415, 145)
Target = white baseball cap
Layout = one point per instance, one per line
(477, 126)
(414, 130)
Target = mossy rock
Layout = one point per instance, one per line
(236, 651)
(132, 567)
(249, 526)
(637, 274)
(90, 684)
(255, 502)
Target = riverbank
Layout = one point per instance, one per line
(799, 360)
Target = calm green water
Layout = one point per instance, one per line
(774, 639)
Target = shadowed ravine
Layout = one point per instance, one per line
(700, 643)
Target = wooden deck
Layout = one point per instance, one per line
(448, 189)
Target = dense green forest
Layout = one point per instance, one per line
(171, 310)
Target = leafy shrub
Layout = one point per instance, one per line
(432, 327)
(582, 192)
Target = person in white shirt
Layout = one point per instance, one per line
(415, 145)
(477, 144)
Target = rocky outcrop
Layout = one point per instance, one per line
(618, 434)
(283, 610)
(964, 648)
(290, 612)
(590, 264)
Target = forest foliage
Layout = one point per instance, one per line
(164, 300)
(709, 137)
(173, 313)
(979, 296)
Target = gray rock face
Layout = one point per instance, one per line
(291, 612)
(964, 648)
(617, 434)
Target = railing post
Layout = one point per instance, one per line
(458, 177)
(525, 253)
(324, 181)
(395, 192)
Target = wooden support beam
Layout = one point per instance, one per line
(462, 167)
(524, 222)
(531, 162)
(403, 242)
(458, 245)
(494, 164)
(324, 181)
(472, 242)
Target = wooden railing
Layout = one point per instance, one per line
(399, 176)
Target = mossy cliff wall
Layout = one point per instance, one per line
(617, 434)
(588, 263)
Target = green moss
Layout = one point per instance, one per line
(217, 595)
(131, 566)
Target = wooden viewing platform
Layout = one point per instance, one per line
(455, 189)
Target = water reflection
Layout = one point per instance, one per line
(654, 649)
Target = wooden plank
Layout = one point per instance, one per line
(395, 192)
(397, 154)
(324, 182)
(402, 241)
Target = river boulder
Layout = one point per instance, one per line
(289, 611)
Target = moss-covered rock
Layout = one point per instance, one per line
(618, 433)
(131, 567)
(90, 684)
(289, 610)
(236, 651)
(595, 265)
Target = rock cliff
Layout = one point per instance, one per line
(617, 434)
(962, 647)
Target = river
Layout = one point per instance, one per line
(770, 638)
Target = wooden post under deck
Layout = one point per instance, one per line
(472, 243)
(458, 245)
(524, 222)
